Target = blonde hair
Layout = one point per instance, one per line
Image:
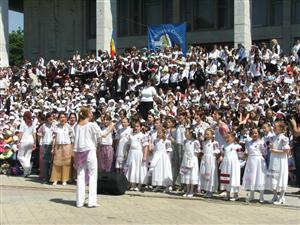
(83, 113)
(274, 41)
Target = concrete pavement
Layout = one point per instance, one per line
(27, 201)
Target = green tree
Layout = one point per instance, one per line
(16, 47)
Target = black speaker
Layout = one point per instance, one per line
(111, 183)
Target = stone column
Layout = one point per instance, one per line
(242, 23)
(4, 32)
(106, 17)
(286, 41)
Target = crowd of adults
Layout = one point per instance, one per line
(224, 89)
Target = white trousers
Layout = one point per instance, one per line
(24, 155)
(90, 168)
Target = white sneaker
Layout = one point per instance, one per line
(64, 183)
(54, 183)
(274, 199)
(233, 199)
(185, 195)
(223, 194)
(136, 189)
(261, 200)
(93, 206)
(190, 195)
(168, 190)
(280, 201)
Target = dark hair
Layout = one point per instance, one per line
(48, 115)
(152, 81)
(62, 113)
(191, 130)
(72, 114)
(107, 117)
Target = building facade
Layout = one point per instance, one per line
(56, 28)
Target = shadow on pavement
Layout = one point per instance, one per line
(64, 202)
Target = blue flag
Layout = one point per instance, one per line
(166, 35)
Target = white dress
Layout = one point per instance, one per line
(208, 179)
(189, 166)
(278, 172)
(255, 171)
(161, 163)
(123, 136)
(136, 171)
(230, 169)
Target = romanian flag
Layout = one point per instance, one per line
(113, 51)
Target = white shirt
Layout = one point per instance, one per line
(119, 83)
(180, 134)
(147, 94)
(46, 131)
(63, 134)
(28, 132)
(108, 140)
(86, 137)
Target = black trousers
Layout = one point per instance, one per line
(297, 161)
(144, 109)
(119, 95)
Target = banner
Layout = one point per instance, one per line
(166, 35)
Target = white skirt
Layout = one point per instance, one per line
(161, 169)
(190, 175)
(136, 171)
(278, 172)
(230, 174)
(255, 172)
(120, 161)
(208, 178)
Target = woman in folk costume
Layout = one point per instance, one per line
(136, 159)
(208, 167)
(106, 151)
(189, 166)
(123, 137)
(278, 172)
(255, 171)
(161, 163)
(63, 136)
(85, 145)
(230, 168)
(27, 137)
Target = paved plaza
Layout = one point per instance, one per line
(27, 201)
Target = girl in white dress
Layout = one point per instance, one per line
(123, 137)
(189, 166)
(208, 167)
(255, 171)
(135, 172)
(161, 163)
(230, 168)
(278, 172)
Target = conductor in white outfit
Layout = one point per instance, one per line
(86, 135)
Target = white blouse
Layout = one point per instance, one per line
(147, 94)
(28, 132)
(256, 148)
(86, 137)
(63, 134)
(137, 141)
